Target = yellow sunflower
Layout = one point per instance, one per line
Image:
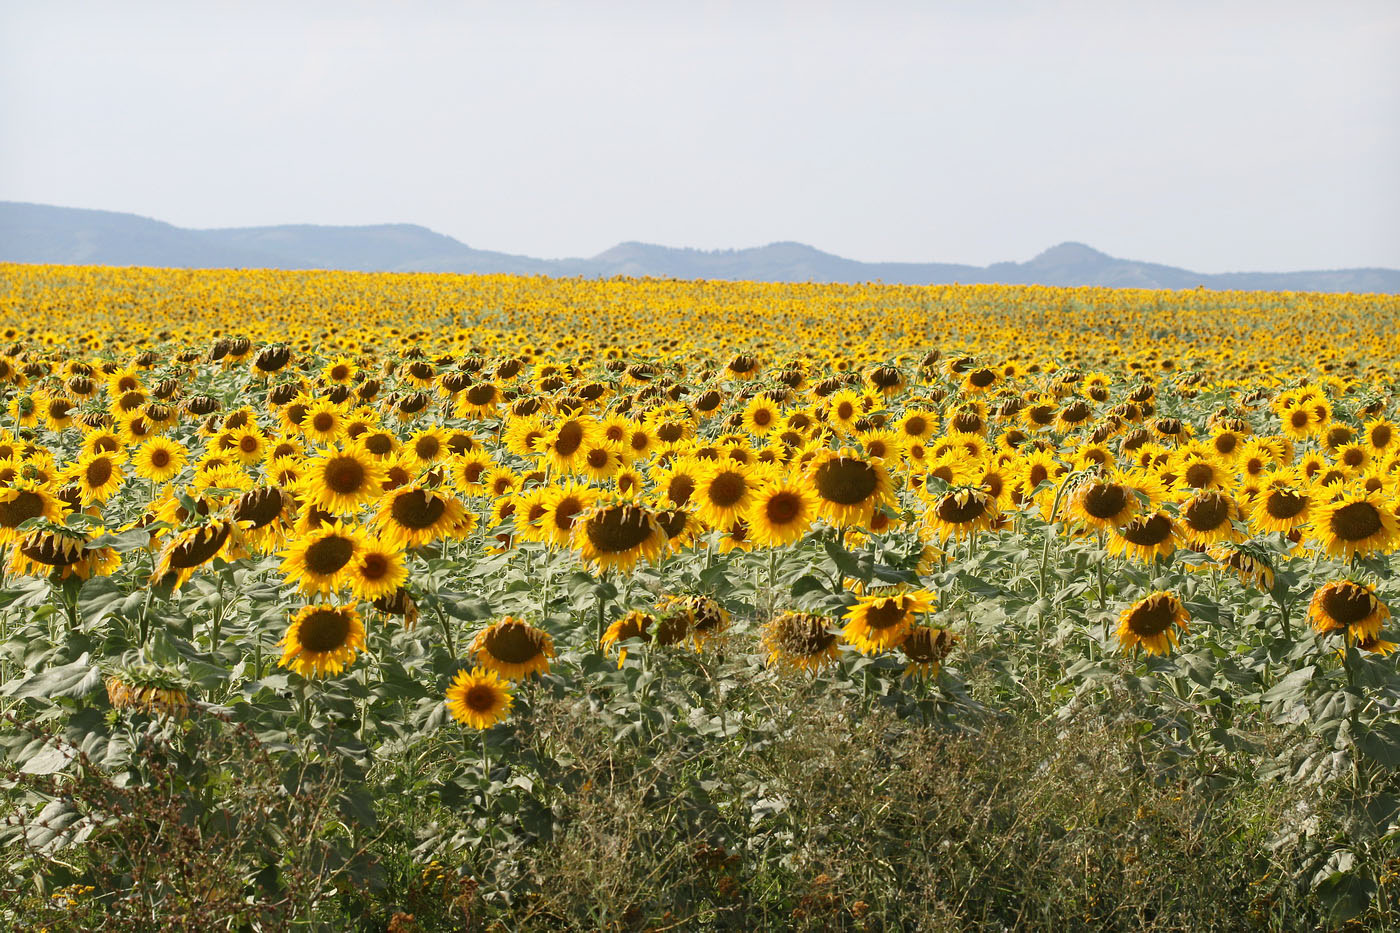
(1344, 605)
(617, 535)
(781, 512)
(322, 640)
(160, 459)
(478, 698)
(848, 488)
(376, 571)
(413, 516)
(341, 481)
(513, 648)
(1152, 623)
(879, 623)
(1356, 523)
(318, 560)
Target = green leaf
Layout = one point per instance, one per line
(65, 680)
(1292, 687)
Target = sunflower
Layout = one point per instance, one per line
(800, 641)
(562, 507)
(781, 512)
(677, 483)
(160, 459)
(97, 476)
(1282, 504)
(54, 551)
(961, 511)
(617, 535)
(562, 447)
(469, 472)
(322, 640)
(376, 571)
(599, 462)
(1344, 605)
(427, 447)
(1380, 435)
(1356, 523)
(319, 559)
(843, 408)
(21, 502)
(1152, 622)
(924, 649)
(723, 492)
(478, 698)
(341, 480)
(1146, 537)
(848, 488)
(513, 648)
(634, 626)
(701, 618)
(414, 516)
(191, 549)
(1209, 516)
(1251, 566)
(879, 623)
(1104, 503)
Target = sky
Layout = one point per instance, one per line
(1218, 136)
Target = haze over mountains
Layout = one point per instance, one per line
(37, 233)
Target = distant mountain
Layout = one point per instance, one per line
(42, 234)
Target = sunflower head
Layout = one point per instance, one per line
(513, 648)
(322, 640)
(479, 698)
(1152, 623)
(1348, 606)
(801, 641)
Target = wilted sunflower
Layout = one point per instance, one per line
(1353, 524)
(478, 698)
(1249, 564)
(800, 641)
(148, 689)
(191, 549)
(925, 649)
(848, 488)
(1152, 622)
(513, 648)
(878, 623)
(781, 512)
(618, 535)
(340, 481)
(413, 516)
(701, 618)
(635, 625)
(1344, 605)
(57, 552)
(322, 640)
(317, 560)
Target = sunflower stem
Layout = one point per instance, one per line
(446, 629)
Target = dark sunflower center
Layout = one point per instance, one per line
(598, 458)
(379, 444)
(783, 508)
(569, 438)
(1380, 435)
(53, 550)
(1037, 475)
(98, 472)
(481, 698)
(1347, 603)
(427, 447)
(762, 417)
(981, 378)
(565, 511)
(513, 643)
(323, 421)
(20, 509)
(340, 373)
(160, 458)
(199, 547)
(1152, 616)
(916, 426)
(670, 432)
(1283, 503)
(248, 444)
(1354, 457)
(1355, 521)
(943, 472)
(1199, 474)
(1226, 443)
(1075, 413)
(884, 614)
(1298, 419)
(1207, 512)
(471, 472)
(846, 482)
(727, 488)
(324, 630)
(672, 521)
(328, 555)
(618, 529)
(1041, 414)
(1105, 500)
(955, 512)
(344, 475)
(417, 509)
(1147, 532)
(481, 394)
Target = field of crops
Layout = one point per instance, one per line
(422, 602)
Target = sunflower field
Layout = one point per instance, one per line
(419, 602)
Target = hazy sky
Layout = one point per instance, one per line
(1213, 135)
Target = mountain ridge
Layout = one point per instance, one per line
(40, 233)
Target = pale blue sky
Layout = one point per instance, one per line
(1213, 135)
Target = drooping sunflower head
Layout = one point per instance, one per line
(1103, 503)
(925, 649)
(800, 641)
(479, 698)
(322, 640)
(193, 548)
(513, 648)
(1152, 623)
